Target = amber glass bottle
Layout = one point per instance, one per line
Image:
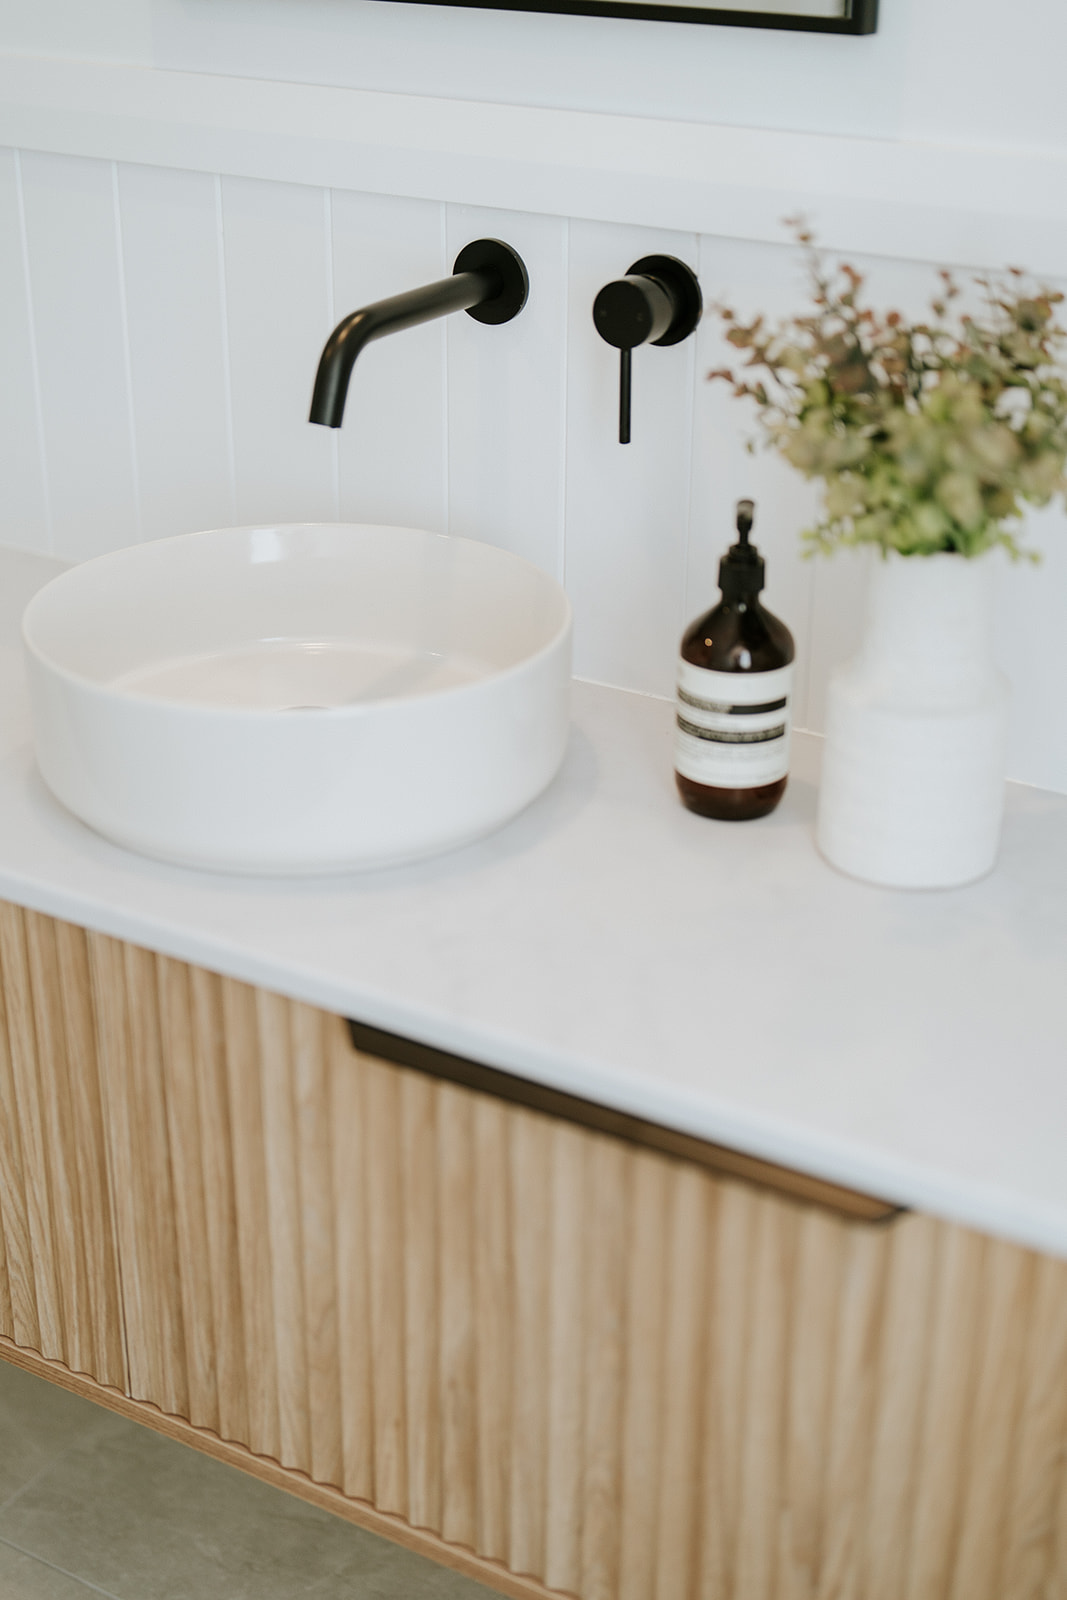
(735, 682)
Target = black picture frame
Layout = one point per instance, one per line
(861, 16)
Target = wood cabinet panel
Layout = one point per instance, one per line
(537, 1351)
(56, 1211)
(18, 1296)
(31, 1207)
(123, 981)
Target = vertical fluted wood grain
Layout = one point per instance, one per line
(607, 1176)
(214, 1156)
(177, 1042)
(812, 1360)
(494, 1313)
(643, 1381)
(129, 1038)
(56, 1104)
(530, 1158)
(36, 1163)
(910, 1268)
(283, 1217)
(7, 1327)
(762, 1454)
(1054, 1579)
(456, 1225)
(723, 1404)
(687, 1249)
(418, 1255)
(14, 1195)
(951, 1363)
(311, 1100)
(384, 1217)
(602, 1367)
(166, 1370)
(351, 1190)
(252, 1210)
(565, 1463)
(994, 1412)
(95, 1219)
(1040, 1466)
(852, 1410)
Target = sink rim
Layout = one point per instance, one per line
(358, 710)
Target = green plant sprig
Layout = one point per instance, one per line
(928, 436)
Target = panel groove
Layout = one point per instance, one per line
(124, 326)
(35, 366)
(224, 324)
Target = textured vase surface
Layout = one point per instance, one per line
(912, 788)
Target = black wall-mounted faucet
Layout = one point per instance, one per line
(657, 302)
(488, 282)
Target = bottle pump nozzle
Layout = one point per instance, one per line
(741, 573)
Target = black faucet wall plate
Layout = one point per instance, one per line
(492, 255)
(659, 302)
(683, 291)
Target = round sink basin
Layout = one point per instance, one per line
(303, 698)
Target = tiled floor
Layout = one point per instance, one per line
(91, 1504)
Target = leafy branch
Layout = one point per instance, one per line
(928, 436)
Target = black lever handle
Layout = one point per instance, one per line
(625, 382)
(657, 302)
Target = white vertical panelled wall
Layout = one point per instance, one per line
(159, 332)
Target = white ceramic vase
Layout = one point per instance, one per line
(913, 771)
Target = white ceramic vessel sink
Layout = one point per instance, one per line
(301, 698)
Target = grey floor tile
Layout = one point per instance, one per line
(378, 1570)
(147, 1519)
(37, 1422)
(23, 1578)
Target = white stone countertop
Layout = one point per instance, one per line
(718, 978)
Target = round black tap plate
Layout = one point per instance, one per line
(492, 254)
(681, 284)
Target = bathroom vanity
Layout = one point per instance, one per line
(740, 1274)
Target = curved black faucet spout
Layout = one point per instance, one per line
(489, 281)
(458, 293)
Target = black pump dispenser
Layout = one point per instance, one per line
(735, 679)
(741, 570)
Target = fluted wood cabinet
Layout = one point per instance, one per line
(537, 1352)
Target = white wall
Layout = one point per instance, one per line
(160, 331)
(969, 70)
(159, 326)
